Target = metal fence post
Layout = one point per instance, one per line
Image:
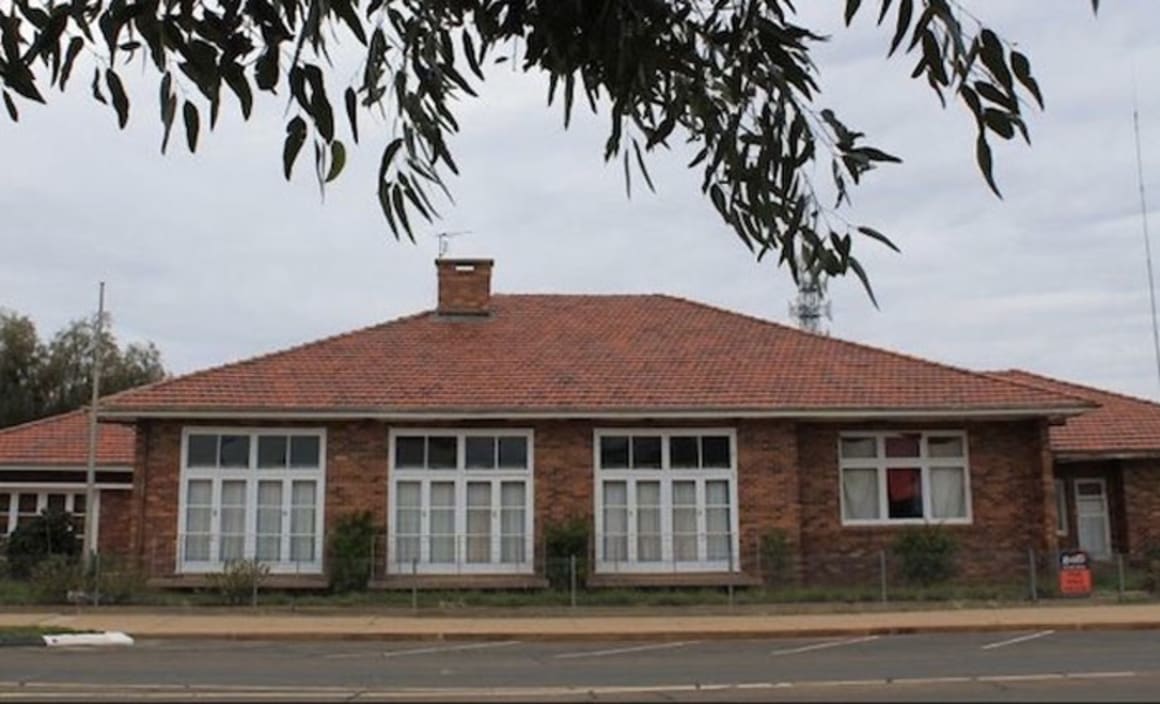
(572, 579)
(414, 584)
(254, 577)
(1032, 571)
(1120, 573)
(882, 574)
(731, 561)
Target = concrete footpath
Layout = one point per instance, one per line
(635, 624)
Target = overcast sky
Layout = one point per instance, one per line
(215, 258)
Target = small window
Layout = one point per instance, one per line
(56, 503)
(948, 498)
(684, 452)
(202, 451)
(410, 451)
(646, 452)
(715, 452)
(614, 452)
(513, 453)
(272, 451)
(859, 448)
(943, 446)
(78, 503)
(442, 452)
(235, 451)
(305, 451)
(27, 504)
(480, 452)
(907, 445)
(5, 502)
(904, 492)
(860, 494)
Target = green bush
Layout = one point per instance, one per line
(562, 541)
(239, 581)
(1152, 568)
(115, 580)
(774, 552)
(350, 552)
(54, 577)
(927, 555)
(50, 533)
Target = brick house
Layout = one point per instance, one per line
(679, 432)
(44, 463)
(1107, 470)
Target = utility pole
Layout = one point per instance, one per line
(91, 474)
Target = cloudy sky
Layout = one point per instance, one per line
(215, 258)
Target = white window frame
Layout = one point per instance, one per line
(252, 475)
(666, 475)
(461, 476)
(1061, 522)
(70, 490)
(924, 462)
(1107, 513)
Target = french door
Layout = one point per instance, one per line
(1091, 517)
(461, 525)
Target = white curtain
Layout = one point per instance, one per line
(198, 519)
(269, 546)
(860, 493)
(233, 521)
(684, 521)
(479, 522)
(717, 525)
(615, 521)
(512, 518)
(303, 505)
(408, 521)
(442, 522)
(648, 521)
(948, 492)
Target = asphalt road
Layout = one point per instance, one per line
(1016, 666)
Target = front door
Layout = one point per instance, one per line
(1091, 517)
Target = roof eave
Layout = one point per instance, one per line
(407, 414)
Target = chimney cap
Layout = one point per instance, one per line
(450, 261)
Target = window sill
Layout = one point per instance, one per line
(908, 522)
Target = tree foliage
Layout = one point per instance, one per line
(733, 78)
(43, 378)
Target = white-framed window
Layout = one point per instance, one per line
(251, 493)
(460, 501)
(1060, 507)
(18, 505)
(666, 500)
(909, 477)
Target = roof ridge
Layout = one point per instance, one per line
(871, 348)
(42, 421)
(1105, 392)
(270, 355)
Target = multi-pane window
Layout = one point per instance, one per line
(909, 477)
(252, 494)
(19, 506)
(665, 500)
(460, 501)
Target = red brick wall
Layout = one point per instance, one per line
(787, 480)
(1142, 505)
(114, 534)
(1008, 503)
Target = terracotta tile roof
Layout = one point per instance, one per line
(1121, 425)
(579, 353)
(63, 441)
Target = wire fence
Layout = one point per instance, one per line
(464, 570)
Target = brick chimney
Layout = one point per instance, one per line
(464, 286)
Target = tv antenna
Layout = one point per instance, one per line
(443, 238)
(810, 306)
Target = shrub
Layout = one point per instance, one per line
(239, 581)
(115, 580)
(562, 541)
(1152, 568)
(927, 555)
(774, 552)
(350, 552)
(54, 577)
(50, 533)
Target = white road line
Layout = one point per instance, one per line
(1021, 678)
(822, 646)
(618, 651)
(1013, 641)
(422, 651)
(1099, 675)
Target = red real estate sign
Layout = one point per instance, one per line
(1075, 574)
